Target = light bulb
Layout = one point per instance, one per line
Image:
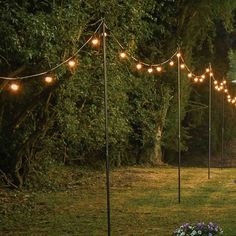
(71, 63)
(123, 55)
(224, 82)
(14, 87)
(150, 70)
(190, 75)
(182, 66)
(178, 54)
(195, 79)
(211, 74)
(216, 87)
(215, 82)
(233, 101)
(171, 63)
(95, 41)
(207, 70)
(201, 80)
(203, 76)
(226, 90)
(105, 34)
(48, 79)
(139, 66)
(229, 99)
(159, 69)
(228, 96)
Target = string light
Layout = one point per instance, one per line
(14, 87)
(171, 63)
(71, 63)
(95, 41)
(48, 79)
(139, 66)
(123, 55)
(178, 54)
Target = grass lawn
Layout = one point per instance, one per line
(143, 202)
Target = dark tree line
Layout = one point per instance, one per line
(65, 121)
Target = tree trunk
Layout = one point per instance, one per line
(156, 157)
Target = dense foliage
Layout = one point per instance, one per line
(65, 121)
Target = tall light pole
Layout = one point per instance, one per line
(106, 129)
(179, 127)
(209, 123)
(222, 129)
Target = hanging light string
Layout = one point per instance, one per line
(68, 60)
(208, 73)
(222, 87)
(125, 54)
(139, 63)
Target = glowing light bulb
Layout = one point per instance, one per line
(201, 80)
(216, 87)
(215, 82)
(178, 54)
(226, 90)
(48, 79)
(190, 75)
(228, 96)
(229, 99)
(207, 70)
(123, 55)
(211, 74)
(14, 87)
(233, 101)
(159, 69)
(171, 63)
(195, 79)
(221, 84)
(182, 66)
(224, 82)
(95, 41)
(105, 34)
(139, 66)
(150, 70)
(203, 76)
(71, 63)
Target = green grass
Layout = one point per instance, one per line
(143, 202)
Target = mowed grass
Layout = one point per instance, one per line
(144, 201)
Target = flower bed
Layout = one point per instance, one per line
(202, 229)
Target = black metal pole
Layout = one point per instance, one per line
(209, 124)
(179, 129)
(222, 129)
(106, 130)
